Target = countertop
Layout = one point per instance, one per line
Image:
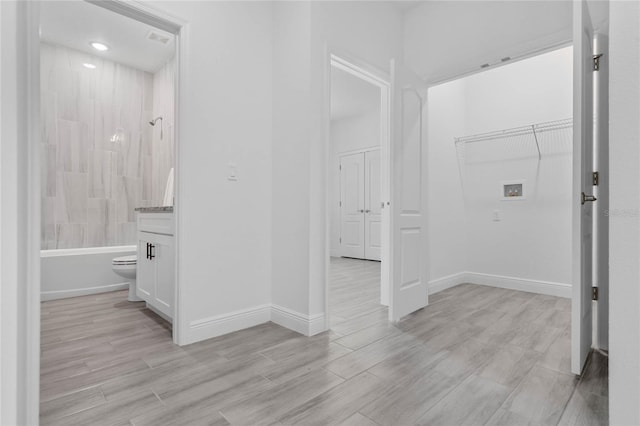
(160, 209)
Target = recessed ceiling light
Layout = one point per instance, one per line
(99, 46)
(90, 66)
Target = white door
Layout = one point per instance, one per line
(582, 232)
(409, 273)
(372, 211)
(601, 164)
(352, 206)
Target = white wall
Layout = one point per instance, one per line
(224, 225)
(369, 31)
(447, 222)
(18, 367)
(532, 241)
(291, 126)
(349, 134)
(624, 215)
(537, 88)
(357, 132)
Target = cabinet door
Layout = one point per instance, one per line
(165, 267)
(146, 270)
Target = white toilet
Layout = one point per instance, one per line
(125, 266)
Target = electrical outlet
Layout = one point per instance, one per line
(497, 215)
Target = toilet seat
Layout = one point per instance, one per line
(125, 260)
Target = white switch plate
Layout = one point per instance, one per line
(497, 215)
(233, 171)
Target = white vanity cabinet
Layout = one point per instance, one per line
(156, 264)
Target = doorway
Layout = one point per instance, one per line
(358, 152)
(501, 146)
(107, 91)
(504, 189)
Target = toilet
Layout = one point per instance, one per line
(125, 266)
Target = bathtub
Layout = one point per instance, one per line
(79, 272)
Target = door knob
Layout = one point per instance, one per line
(367, 211)
(361, 211)
(589, 198)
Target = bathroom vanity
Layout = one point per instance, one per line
(156, 259)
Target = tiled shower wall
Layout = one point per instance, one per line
(163, 147)
(98, 150)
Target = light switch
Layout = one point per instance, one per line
(233, 171)
(497, 215)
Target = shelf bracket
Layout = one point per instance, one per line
(535, 136)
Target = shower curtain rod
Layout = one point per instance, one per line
(532, 129)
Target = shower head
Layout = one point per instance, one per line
(153, 122)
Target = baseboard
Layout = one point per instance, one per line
(215, 326)
(522, 284)
(308, 325)
(449, 281)
(65, 294)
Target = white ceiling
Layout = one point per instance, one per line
(76, 23)
(448, 38)
(351, 96)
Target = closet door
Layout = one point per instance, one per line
(372, 212)
(352, 242)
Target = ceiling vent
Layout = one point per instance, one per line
(160, 38)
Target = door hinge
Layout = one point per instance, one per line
(594, 293)
(340, 240)
(340, 203)
(340, 167)
(596, 178)
(596, 62)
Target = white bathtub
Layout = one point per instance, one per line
(78, 272)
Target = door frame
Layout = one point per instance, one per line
(146, 14)
(600, 333)
(366, 72)
(346, 154)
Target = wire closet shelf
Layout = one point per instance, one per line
(532, 129)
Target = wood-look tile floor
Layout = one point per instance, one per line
(476, 355)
